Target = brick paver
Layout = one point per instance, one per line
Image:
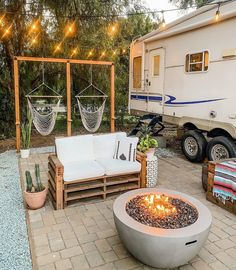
(83, 236)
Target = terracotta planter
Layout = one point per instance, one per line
(150, 152)
(35, 200)
(24, 153)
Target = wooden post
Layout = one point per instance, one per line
(112, 119)
(68, 98)
(17, 103)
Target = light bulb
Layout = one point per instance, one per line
(217, 16)
(57, 48)
(163, 24)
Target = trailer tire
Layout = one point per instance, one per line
(221, 147)
(194, 146)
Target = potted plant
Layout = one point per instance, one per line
(25, 136)
(147, 145)
(35, 195)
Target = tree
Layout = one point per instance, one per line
(92, 21)
(190, 3)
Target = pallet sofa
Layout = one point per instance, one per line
(88, 165)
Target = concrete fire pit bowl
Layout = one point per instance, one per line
(161, 248)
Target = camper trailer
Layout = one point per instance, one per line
(186, 73)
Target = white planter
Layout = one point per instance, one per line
(24, 153)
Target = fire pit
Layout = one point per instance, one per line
(161, 228)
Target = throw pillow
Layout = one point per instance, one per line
(126, 149)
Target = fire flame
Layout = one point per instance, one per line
(159, 205)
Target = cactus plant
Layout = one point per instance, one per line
(38, 179)
(35, 195)
(29, 182)
(30, 187)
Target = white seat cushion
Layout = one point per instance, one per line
(75, 148)
(117, 166)
(104, 144)
(82, 170)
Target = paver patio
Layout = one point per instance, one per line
(83, 236)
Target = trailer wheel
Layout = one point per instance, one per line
(221, 148)
(194, 146)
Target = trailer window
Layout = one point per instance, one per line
(156, 65)
(197, 62)
(137, 72)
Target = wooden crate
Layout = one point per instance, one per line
(228, 205)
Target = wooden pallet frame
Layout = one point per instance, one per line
(229, 206)
(61, 193)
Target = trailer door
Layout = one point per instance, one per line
(155, 81)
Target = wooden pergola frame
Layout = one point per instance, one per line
(68, 63)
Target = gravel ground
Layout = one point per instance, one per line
(14, 244)
(164, 153)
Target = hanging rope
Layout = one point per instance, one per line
(91, 115)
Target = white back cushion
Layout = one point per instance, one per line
(104, 144)
(75, 148)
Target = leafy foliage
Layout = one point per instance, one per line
(26, 131)
(93, 20)
(190, 3)
(146, 143)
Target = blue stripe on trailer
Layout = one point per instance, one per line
(172, 99)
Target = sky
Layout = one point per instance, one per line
(163, 5)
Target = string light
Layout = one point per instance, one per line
(74, 52)
(34, 26)
(2, 19)
(163, 22)
(57, 48)
(34, 40)
(113, 29)
(114, 52)
(70, 29)
(124, 51)
(103, 54)
(217, 16)
(7, 32)
(90, 53)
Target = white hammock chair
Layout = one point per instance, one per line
(44, 115)
(91, 115)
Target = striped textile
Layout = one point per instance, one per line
(224, 186)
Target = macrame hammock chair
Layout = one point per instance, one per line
(44, 115)
(91, 114)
